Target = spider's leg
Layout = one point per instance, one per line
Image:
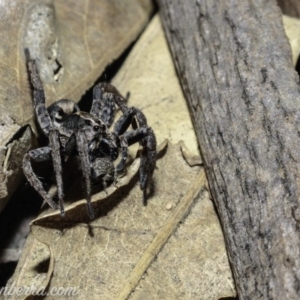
(45, 123)
(120, 127)
(69, 147)
(124, 154)
(37, 155)
(82, 147)
(41, 111)
(56, 159)
(97, 100)
(103, 106)
(142, 121)
(148, 156)
(125, 121)
(147, 139)
(148, 161)
(144, 135)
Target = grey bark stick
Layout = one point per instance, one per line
(234, 63)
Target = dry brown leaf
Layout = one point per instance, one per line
(193, 264)
(191, 159)
(11, 155)
(292, 30)
(72, 41)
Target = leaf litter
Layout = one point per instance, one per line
(70, 42)
(122, 254)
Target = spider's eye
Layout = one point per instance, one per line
(88, 122)
(96, 128)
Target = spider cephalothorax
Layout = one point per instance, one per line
(73, 131)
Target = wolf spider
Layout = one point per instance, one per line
(70, 131)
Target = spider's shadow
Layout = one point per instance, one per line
(102, 208)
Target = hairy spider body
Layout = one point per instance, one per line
(73, 131)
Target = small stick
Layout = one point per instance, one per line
(162, 236)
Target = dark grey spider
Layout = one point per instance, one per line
(70, 131)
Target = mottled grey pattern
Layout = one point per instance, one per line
(70, 129)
